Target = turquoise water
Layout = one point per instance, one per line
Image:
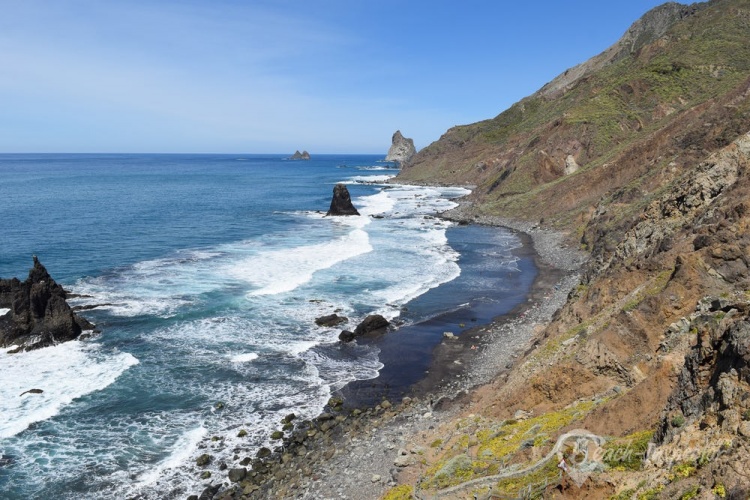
(213, 269)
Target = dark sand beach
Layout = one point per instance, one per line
(358, 448)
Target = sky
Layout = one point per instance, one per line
(274, 76)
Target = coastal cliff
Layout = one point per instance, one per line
(634, 382)
(639, 157)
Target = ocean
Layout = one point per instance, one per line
(210, 271)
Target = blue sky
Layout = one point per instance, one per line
(232, 76)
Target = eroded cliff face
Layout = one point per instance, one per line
(643, 162)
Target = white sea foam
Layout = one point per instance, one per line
(3, 311)
(243, 358)
(64, 372)
(159, 287)
(369, 179)
(183, 449)
(377, 168)
(282, 270)
(376, 204)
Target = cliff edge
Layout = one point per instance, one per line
(641, 157)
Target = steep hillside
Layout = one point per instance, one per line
(642, 157)
(667, 94)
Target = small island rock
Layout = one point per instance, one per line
(341, 203)
(304, 155)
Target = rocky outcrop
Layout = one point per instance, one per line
(374, 323)
(341, 203)
(39, 315)
(714, 383)
(677, 207)
(570, 165)
(402, 149)
(371, 325)
(330, 320)
(304, 155)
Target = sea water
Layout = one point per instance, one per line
(208, 272)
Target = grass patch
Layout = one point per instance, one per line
(403, 492)
(652, 493)
(627, 453)
(677, 420)
(682, 471)
(530, 485)
(691, 493)
(658, 284)
(494, 446)
(623, 495)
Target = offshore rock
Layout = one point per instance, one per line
(330, 320)
(341, 203)
(304, 155)
(373, 323)
(39, 315)
(402, 149)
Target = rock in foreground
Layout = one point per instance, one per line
(341, 203)
(39, 315)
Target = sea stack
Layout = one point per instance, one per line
(341, 203)
(402, 149)
(304, 155)
(39, 315)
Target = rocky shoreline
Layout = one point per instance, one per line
(360, 453)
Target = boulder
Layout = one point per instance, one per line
(330, 320)
(236, 475)
(571, 166)
(39, 315)
(346, 336)
(341, 203)
(374, 323)
(402, 149)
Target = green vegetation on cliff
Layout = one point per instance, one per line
(632, 118)
(641, 156)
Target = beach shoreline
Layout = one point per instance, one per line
(359, 453)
